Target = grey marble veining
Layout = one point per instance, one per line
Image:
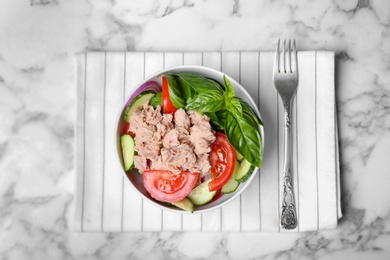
(37, 113)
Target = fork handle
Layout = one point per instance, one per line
(288, 217)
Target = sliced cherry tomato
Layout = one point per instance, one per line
(126, 130)
(169, 187)
(167, 106)
(222, 161)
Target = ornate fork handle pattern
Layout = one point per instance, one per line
(288, 218)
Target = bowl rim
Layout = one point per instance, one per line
(154, 76)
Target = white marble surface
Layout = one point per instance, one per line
(37, 113)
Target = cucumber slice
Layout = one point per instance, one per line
(127, 143)
(137, 103)
(184, 204)
(232, 184)
(245, 170)
(239, 157)
(200, 195)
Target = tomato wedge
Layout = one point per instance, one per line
(126, 130)
(169, 187)
(222, 161)
(167, 106)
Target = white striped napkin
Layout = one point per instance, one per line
(106, 203)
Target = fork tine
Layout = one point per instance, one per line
(294, 67)
(284, 56)
(276, 62)
(288, 68)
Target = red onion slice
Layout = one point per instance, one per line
(205, 178)
(147, 86)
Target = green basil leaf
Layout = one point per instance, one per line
(216, 84)
(156, 100)
(175, 92)
(215, 121)
(248, 109)
(222, 115)
(208, 101)
(229, 90)
(244, 137)
(234, 106)
(197, 83)
(187, 90)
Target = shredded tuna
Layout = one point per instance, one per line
(140, 163)
(201, 134)
(147, 142)
(176, 159)
(171, 139)
(182, 119)
(178, 142)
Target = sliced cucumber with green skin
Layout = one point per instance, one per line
(137, 103)
(239, 157)
(184, 204)
(200, 195)
(232, 183)
(245, 170)
(127, 143)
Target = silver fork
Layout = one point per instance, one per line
(286, 83)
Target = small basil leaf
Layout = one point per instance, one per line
(234, 106)
(210, 101)
(248, 109)
(175, 93)
(156, 100)
(229, 90)
(244, 137)
(215, 121)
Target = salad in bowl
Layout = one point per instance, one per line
(190, 138)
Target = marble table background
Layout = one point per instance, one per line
(38, 39)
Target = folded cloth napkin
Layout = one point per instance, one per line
(106, 203)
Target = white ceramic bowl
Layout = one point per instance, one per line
(134, 179)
